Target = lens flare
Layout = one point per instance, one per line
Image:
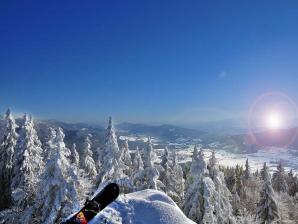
(273, 111)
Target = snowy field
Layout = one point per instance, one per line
(226, 158)
(270, 155)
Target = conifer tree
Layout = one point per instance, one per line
(151, 173)
(207, 200)
(28, 163)
(292, 183)
(212, 165)
(222, 206)
(177, 181)
(279, 179)
(239, 180)
(112, 164)
(138, 171)
(165, 158)
(165, 171)
(267, 210)
(126, 158)
(74, 156)
(264, 170)
(193, 203)
(57, 197)
(247, 173)
(87, 162)
(7, 150)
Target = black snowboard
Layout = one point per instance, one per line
(94, 206)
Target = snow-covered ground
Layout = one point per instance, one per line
(138, 138)
(269, 155)
(142, 207)
(225, 157)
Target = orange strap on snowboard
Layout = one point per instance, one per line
(81, 219)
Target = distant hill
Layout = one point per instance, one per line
(222, 127)
(77, 132)
(74, 133)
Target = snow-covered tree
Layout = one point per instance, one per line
(267, 209)
(292, 183)
(247, 173)
(198, 164)
(28, 163)
(112, 165)
(138, 171)
(212, 165)
(207, 200)
(230, 177)
(246, 218)
(279, 179)
(126, 158)
(87, 162)
(7, 149)
(193, 202)
(239, 180)
(57, 195)
(176, 181)
(165, 171)
(151, 173)
(165, 158)
(222, 206)
(264, 171)
(74, 156)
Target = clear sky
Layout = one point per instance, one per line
(145, 61)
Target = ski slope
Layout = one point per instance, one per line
(142, 207)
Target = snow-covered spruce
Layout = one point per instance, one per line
(112, 165)
(247, 173)
(177, 181)
(126, 158)
(193, 201)
(267, 210)
(292, 183)
(165, 171)
(221, 199)
(57, 195)
(207, 200)
(212, 165)
(7, 150)
(137, 171)
(87, 162)
(151, 173)
(28, 164)
(171, 176)
(279, 179)
(74, 156)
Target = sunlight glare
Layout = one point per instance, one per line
(274, 121)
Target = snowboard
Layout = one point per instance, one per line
(95, 205)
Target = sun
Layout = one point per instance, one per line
(274, 120)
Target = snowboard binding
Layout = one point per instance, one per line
(95, 205)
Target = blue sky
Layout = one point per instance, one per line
(145, 61)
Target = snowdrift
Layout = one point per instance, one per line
(142, 207)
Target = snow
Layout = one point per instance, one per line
(142, 207)
(271, 156)
(138, 138)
